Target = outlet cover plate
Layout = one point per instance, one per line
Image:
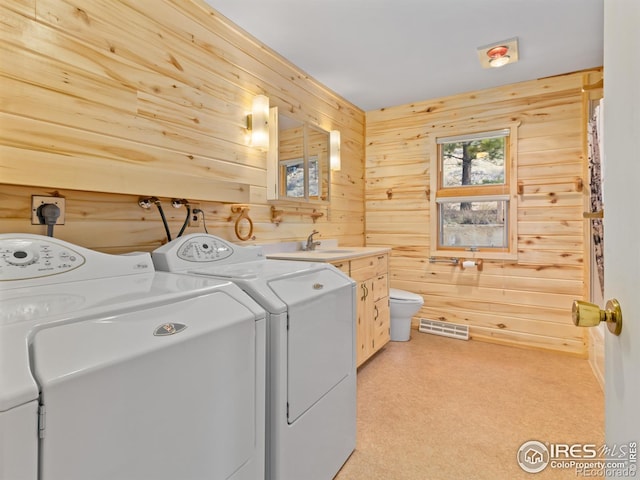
(37, 200)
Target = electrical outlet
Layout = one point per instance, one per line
(39, 200)
(194, 218)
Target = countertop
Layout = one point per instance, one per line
(329, 254)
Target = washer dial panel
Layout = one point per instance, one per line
(21, 259)
(204, 249)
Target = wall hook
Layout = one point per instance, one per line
(315, 215)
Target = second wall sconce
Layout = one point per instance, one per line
(334, 149)
(258, 122)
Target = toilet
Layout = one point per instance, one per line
(403, 305)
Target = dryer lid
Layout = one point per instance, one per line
(404, 296)
(26, 311)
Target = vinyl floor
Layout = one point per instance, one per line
(440, 408)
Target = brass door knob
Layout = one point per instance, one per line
(585, 314)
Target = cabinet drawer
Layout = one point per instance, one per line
(343, 266)
(363, 268)
(380, 287)
(382, 264)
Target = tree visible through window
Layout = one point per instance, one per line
(473, 162)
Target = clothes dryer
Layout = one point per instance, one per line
(110, 370)
(311, 373)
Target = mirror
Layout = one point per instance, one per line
(302, 164)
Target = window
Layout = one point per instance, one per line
(473, 208)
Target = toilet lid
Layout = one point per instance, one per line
(404, 296)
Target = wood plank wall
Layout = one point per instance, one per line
(525, 302)
(107, 100)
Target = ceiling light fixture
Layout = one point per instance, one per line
(499, 54)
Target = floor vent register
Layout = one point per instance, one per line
(446, 329)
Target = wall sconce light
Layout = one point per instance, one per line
(334, 149)
(258, 122)
(499, 54)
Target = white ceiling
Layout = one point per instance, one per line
(382, 53)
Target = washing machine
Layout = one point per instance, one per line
(112, 371)
(311, 372)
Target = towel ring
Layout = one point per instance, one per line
(243, 215)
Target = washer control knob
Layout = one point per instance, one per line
(22, 257)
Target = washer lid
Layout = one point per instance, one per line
(265, 269)
(404, 296)
(255, 277)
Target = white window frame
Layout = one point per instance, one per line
(508, 192)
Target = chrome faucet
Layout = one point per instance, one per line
(311, 245)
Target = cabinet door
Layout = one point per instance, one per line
(380, 287)
(381, 323)
(364, 310)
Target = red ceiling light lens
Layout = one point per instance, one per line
(498, 56)
(497, 51)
